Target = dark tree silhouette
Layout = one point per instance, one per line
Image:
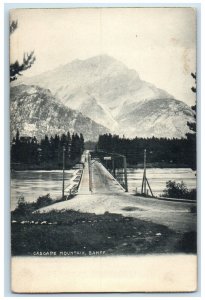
(193, 88)
(13, 26)
(192, 125)
(28, 59)
(48, 152)
(159, 150)
(191, 136)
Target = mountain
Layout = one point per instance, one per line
(157, 117)
(36, 112)
(105, 90)
(89, 106)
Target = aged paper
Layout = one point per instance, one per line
(103, 150)
(175, 273)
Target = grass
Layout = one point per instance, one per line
(69, 231)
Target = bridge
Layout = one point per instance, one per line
(99, 192)
(97, 180)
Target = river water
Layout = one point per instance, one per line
(158, 177)
(32, 184)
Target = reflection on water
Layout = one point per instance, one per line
(158, 178)
(32, 184)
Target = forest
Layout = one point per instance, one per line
(162, 151)
(29, 153)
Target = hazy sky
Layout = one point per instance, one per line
(159, 43)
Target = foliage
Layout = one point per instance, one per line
(44, 201)
(24, 208)
(159, 150)
(193, 88)
(191, 137)
(47, 152)
(191, 125)
(13, 26)
(178, 191)
(17, 68)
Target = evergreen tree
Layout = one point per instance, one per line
(49, 151)
(191, 137)
(192, 125)
(17, 68)
(45, 147)
(159, 150)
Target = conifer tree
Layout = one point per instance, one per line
(192, 125)
(191, 137)
(17, 68)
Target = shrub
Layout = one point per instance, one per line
(43, 201)
(178, 190)
(21, 203)
(24, 207)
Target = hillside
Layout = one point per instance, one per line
(35, 111)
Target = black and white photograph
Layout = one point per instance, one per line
(103, 126)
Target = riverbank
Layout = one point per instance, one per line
(51, 166)
(35, 167)
(161, 165)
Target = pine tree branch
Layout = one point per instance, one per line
(193, 89)
(28, 59)
(13, 26)
(16, 68)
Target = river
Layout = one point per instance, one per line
(158, 177)
(32, 184)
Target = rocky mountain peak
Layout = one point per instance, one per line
(106, 91)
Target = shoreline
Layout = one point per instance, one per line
(139, 166)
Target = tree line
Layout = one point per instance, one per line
(159, 150)
(28, 152)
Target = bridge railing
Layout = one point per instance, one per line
(116, 164)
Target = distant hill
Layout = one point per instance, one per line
(36, 112)
(105, 90)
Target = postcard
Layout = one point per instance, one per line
(103, 149)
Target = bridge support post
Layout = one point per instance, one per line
(125, 173)
(113, 166)
(144, 189)
(63, 186)
(90, 172)
(145, 181)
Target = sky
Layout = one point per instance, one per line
(159, 43)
